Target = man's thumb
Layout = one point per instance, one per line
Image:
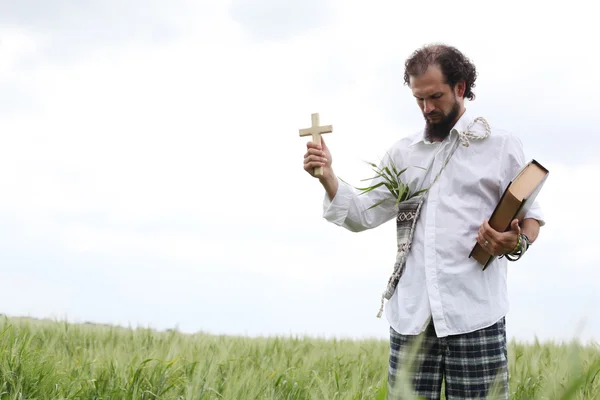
(515, 225)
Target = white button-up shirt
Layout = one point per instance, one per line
(440, 281)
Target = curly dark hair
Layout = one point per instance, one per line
(455, 66)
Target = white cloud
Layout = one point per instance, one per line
(15, 45)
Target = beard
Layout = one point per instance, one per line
(441, 129)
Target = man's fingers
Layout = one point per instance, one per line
(320, 157)
(486, 240)
(481, 230)
(488, 228)
(311, 165)
(489, 247)
(314, 157)
(314, 150)
(315, 161)
(481, 240)
(488, 232)
(313, 145)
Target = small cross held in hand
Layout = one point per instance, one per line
(315, 131)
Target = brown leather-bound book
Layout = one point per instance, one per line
(516, 200)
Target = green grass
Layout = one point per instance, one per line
(57, 360)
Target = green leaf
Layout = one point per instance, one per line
(376, 204)
(389, 174)
(370, 179)
(367, 190)
(401, 172)
(401, 193)
(387, 181)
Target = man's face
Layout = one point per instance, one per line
(441, 106)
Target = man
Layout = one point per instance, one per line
(444, 300)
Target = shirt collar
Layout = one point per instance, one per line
(460, 126)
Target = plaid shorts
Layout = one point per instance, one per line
(472, 365)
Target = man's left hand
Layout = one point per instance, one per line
(497, 243)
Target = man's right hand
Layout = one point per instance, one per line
(317, 156)
(320, 156)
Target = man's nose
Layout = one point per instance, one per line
(428, 106)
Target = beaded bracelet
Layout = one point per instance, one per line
(519, 240)
(522, 247)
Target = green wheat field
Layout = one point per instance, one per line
(58, 360)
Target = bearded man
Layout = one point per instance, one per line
(444, 303)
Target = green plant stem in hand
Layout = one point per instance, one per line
(390, 178)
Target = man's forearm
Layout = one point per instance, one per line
(330, 183)
(531, 228)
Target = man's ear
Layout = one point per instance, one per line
(461, 89)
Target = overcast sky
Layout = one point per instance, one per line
(151, 168)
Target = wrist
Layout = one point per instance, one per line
(330, 183)
(522, 246)
(328, 179)
(517, 245)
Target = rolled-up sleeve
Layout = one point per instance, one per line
(336, 210)
(352, 211)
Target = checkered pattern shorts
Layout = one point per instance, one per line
(472, 365)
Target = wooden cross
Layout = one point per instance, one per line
(315, 131)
